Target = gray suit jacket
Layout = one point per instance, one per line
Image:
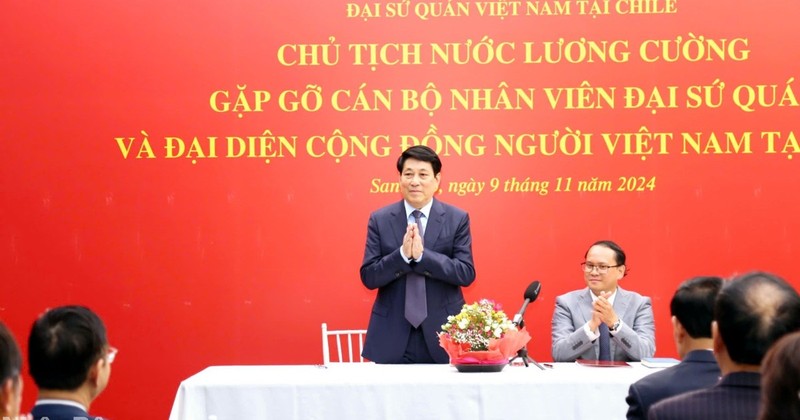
(635, 340)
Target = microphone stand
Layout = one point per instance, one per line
(523, 352)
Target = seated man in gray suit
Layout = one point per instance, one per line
(751, 313)
(603, 321)
(692, 309)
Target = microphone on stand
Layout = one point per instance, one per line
(531, 293)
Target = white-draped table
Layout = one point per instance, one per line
(405, 392)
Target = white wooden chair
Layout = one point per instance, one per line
(353, 354)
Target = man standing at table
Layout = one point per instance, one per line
(692, 309)
(750, 314)
(603, 321)
(418, 255)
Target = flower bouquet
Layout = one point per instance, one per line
(481, 334)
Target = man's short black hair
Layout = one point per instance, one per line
(619, 254)
(64, 344)
(753, 311)
(693, 305)
(421, 153)
(10, 356)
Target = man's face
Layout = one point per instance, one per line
(601, 257)
(417, 182)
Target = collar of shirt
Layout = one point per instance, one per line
(426, 210)
(61, 402)
(610, 298)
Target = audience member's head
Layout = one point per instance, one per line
(780, 380)
(68, 352)
(10, 378)
(751, 313)
(692, 309)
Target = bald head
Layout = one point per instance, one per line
(752, 312)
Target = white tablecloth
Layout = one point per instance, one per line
(405, 392)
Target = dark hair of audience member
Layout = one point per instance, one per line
(693, 305)
(780, 380)
(63, 345)
(10, 356)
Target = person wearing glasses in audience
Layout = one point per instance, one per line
(603, 321)
(70, 361)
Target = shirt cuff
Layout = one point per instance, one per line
(406, 259)
(589, 333)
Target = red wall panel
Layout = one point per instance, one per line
(237, 260)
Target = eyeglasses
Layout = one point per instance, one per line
(111, 355)
(602, 269)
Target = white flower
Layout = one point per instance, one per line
(477, 324)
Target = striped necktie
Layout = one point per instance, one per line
(416, 307)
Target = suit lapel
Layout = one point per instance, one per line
(586, 308)
(586, 305)
(621, 302)
(435, 222)
(399, 222)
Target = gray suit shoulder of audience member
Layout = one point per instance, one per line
(692, 309)
(751, 313)
(780, 380)
(70, 361)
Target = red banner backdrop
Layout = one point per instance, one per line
(201, 173)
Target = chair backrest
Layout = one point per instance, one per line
(350, 336)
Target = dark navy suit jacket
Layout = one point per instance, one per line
(697, 370)
(60, 412)
(736, 396)
(446, 264)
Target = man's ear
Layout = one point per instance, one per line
(719, 345)
(677, 328)
(6, 393)
(94, 372)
